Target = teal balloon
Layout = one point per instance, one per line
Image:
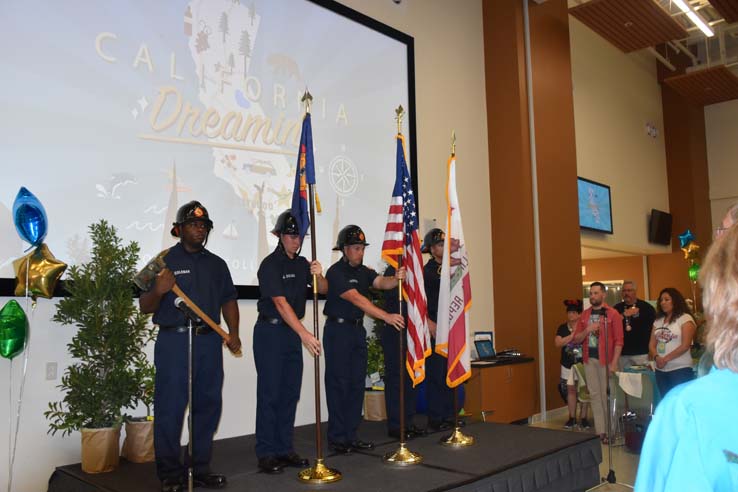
(685, 238)
(29, 217)
(694, 271)
(13, 329)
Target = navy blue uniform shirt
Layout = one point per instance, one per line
(432, 280)
(280, 276)
(204, 277)
(342, 277)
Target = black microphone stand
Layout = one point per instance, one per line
(611, 472)
(192, 321)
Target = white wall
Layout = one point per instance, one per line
(721, 129)
(450, 95)
(38, 453)
(615, 95)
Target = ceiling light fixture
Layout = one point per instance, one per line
(694, 17)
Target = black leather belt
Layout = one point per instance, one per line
(355, 322)
(199, 329)
(271, 321)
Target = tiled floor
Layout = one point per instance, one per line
(624, 462)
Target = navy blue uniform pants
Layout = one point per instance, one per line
(440, 397)
(391, 347)
(170, 399)
(345, 374)
(278, 359)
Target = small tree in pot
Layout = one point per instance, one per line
(138, 446)
(111, 333)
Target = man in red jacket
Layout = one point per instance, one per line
(596, 323)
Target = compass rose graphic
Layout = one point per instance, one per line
(343, 176)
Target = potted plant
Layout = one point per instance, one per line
(138, 445)
(374, 404)
(110, 329)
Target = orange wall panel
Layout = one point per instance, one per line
(511, 180)
(510, 189)
(668, 270)
(620, 268)
(556, 163)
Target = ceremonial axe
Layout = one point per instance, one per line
(146, 277)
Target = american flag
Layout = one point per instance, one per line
(401, 238)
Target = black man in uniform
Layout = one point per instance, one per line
(205, 278)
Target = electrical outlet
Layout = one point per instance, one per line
(51, 368)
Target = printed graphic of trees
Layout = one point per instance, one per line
(223, 25)
(244, 49)
(231, 62)
(252, 14)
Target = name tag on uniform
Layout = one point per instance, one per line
(181, 272)
(353, 281)
(288, 275)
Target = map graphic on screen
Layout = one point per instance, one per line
(595, 211)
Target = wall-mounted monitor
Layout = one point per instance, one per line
(659, 227)
(595, 206)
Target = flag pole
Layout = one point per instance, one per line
(457, 438)
(402, 456)
(319, 473)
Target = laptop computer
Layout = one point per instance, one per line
(485, 350)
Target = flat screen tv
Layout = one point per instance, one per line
(595, 207)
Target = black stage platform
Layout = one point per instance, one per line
(505, 458)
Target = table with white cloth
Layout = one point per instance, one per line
(637, 396)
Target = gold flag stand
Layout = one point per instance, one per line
(457, 439)
(402, 456)
(318, 474)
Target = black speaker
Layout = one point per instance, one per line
(659, 227)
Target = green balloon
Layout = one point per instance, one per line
(694, 271)
(13, 329)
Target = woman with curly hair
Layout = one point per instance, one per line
(671, 341)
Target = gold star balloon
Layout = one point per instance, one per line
(691, 251)
(41, 271)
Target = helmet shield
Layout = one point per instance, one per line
(191, 212)
(351, 234)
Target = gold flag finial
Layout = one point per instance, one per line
(399, 112)
(307, 99)
(453, 142)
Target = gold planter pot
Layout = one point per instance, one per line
(100, 449)
(138, 445)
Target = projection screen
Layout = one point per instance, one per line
(124, 111)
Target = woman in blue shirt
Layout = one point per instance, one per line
(692, 442)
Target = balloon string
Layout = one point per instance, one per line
(10, 422)
(26, 355)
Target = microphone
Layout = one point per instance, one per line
(180, 304)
